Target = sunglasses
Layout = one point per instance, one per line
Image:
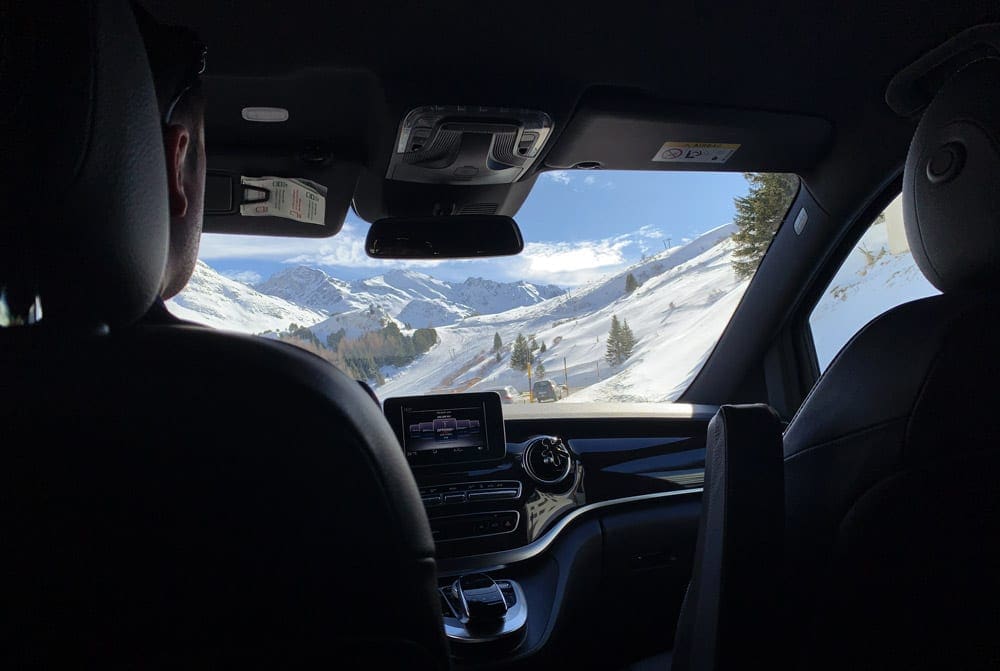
(196, 70)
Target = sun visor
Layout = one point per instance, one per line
(635, 132)
(294, 195)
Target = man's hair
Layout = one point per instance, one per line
(174, 53)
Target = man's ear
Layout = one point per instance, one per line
(176, 142)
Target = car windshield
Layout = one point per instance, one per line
(625, 284)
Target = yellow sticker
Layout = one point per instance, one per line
(695, 152)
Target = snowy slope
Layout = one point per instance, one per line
(686, 297)
(865, 287)
(354, 323)
(414, 298)
(214, 300)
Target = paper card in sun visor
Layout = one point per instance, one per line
(297, 199)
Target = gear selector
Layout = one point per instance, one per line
(481, 599)
(478, 610)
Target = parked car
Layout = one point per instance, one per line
(546, 390)
(508, 394)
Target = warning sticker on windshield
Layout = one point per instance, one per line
(298, 199)
(695, 152)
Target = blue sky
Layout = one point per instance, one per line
(577, 227)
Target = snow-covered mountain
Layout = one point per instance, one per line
(311, 288)
(411, 297)
(686, 296)
(214, 300)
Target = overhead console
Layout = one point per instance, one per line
(465, 144)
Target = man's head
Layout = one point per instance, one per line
(177, 59)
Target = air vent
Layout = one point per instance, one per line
(503, 151)
(548, 460)
(440, 154)
(478, 208)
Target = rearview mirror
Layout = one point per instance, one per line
(448, 237)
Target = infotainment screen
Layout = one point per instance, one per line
(448, 428)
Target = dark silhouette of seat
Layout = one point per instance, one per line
(171, 496)
(892, 466)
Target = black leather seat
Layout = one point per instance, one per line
(170, 496)
(892, 465)
(727, 619)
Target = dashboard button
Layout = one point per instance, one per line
(431, 500)
(493, 494)
(455, 498)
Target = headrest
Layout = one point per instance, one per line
(951, 184)
(84, 223)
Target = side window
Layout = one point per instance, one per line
(877, 275)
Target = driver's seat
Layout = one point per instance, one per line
(170, 496)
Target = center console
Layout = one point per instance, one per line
(483, 496)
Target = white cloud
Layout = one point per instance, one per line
(580, 261)
(558, 176)
(588, 182)
(549, 257)
(218, 246)
(346, 248)
(244, 276)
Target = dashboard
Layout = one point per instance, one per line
(508, 490)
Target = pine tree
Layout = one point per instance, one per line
(621, 342)
(498, 357)
(628, 340)
(542, 348)
(520, 355)
(497, 343)
(612, 352)
(540, 370)
(631, 284)
(532, 345)
(758, 215)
